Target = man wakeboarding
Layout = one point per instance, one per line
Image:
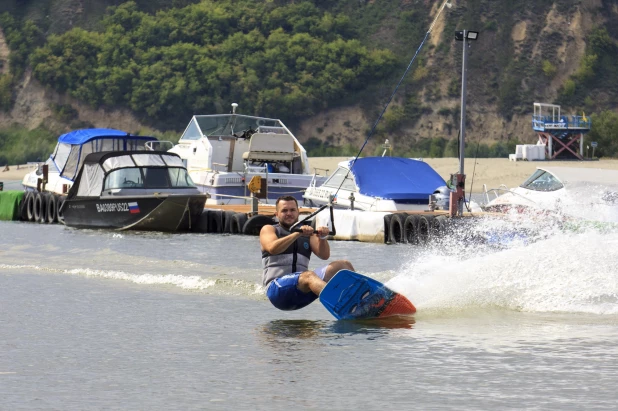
(289, 283)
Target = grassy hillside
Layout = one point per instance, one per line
(166, 60)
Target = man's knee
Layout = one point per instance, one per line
(305, 280)
(335, 266)
(342, 265)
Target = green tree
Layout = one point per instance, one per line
(604, 131)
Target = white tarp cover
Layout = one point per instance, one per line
(355, 225)
(148, 160)
(91, 183)
(118, 162)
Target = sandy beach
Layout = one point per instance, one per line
(14, 173)
(490, 171)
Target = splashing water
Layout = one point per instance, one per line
(566, 272)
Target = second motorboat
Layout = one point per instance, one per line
(140, 190)
(223, 152)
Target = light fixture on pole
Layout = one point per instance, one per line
(387, 147)
(460, 179)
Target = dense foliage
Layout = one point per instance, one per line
(287, 61)
(168, 60)
(22, 38)
(604, 131)
(19, 145)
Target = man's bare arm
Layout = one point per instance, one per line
(274, 245)
(320, 247)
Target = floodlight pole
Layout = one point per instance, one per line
(462, 125)
(459, 180)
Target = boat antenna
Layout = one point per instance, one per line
(405, 73)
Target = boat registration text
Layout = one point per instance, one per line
(112, 207)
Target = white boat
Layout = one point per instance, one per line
(585, 193)
(223, 152)
(380, 184)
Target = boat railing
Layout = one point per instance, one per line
(271, 129)
(317, 169)
(256, 169)
(224, 166)
(504, 188)
(159, 145)
(540, 122)
(495, 191)
(314, 180)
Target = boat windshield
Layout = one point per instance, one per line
(227, 125)
(542, 180)
(148, 177)
(338, 176)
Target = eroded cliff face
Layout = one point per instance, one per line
(34, 102)
(558, 35)
(350, 124)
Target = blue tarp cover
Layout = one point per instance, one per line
(85, 135)
(395, 178)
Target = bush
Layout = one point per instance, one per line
(549, 69)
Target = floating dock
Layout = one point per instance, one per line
(413, 227)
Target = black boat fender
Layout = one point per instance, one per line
(410, 229)
(255, 224)
(227, 221)
(387, 228)
(23, 207)
(40, 207)
(237, 223)
(396, 225)
(215, 221)
(425, 229)
(52, 208)
(202, 224)
(59, 209)
(30, 206)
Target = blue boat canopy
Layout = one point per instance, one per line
(395, 178)
(75, 145)
(85, 135)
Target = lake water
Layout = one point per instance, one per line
(107, 320)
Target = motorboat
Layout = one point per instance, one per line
(140, 190)
(379, 184)
(584, 193)
(223, 152)
(47, 185)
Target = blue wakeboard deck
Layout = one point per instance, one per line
(353, 296)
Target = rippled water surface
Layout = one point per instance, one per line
(106, 320)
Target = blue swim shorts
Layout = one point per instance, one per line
(284, 294)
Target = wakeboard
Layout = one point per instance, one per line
(353, 296)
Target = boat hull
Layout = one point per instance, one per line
(151, 213)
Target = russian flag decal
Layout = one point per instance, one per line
(133, 208)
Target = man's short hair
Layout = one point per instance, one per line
(285, 198)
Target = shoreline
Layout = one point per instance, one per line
(492, 172)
